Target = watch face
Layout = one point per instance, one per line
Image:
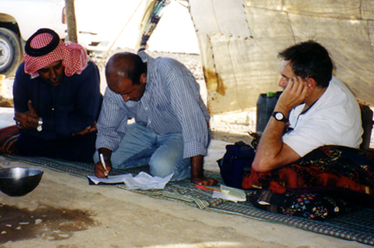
(279, 116)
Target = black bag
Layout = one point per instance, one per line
(236, 163)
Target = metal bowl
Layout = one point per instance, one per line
(19, 181)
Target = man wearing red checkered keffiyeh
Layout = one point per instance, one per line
(57, 99)
(45, 47)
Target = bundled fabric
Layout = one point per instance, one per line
(8, 138)
(339, 171)
(317, 206)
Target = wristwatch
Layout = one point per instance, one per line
(39, 128)
(279, 116)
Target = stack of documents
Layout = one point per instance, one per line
(141, 181)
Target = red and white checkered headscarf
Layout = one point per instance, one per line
(38, 55)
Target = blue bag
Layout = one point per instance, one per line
(236, 163)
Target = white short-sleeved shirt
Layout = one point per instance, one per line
(334, 119)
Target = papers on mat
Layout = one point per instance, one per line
(117, 179)
(141, 181)
(231, 194)
(146, 181)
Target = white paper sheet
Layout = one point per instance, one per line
(110, 180)
(141, 181)
(146, 181)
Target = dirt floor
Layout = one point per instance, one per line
(65, 212)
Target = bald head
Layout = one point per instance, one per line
(124, 65)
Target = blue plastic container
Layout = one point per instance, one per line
(265, 106)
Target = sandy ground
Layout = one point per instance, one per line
(65, 212)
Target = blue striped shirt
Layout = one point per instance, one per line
(171, 103)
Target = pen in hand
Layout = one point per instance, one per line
(103, 163)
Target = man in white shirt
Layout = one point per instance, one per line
(315, 109)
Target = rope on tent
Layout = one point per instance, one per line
(110, 48)
(179, 2)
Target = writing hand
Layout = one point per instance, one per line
(100, 170)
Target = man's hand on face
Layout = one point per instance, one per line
(28, 119)
(295, 94)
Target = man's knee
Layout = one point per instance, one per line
(161, 167)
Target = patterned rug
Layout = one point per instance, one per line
(357, 226)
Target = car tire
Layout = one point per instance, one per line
(10, 52)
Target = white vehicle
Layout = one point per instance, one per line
(19, 19)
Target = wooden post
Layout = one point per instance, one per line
(71, 21)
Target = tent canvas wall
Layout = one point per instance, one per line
(239, 41)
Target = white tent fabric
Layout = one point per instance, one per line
(240, 39)
(217, 17)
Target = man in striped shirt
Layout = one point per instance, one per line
(171, 128)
